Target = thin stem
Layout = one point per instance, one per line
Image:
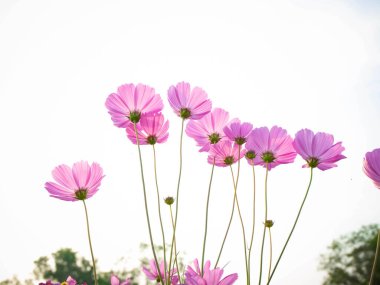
(177, 198)
(242, 226)
(265, 219)
(206, 222)
(146, 206)
(270, 252)
(232, 214)
(159, 208)
(294, 225)
(226, 234)
(179, 179)
(372, 280)
(89, 241)
(175, 248)
(253, 219)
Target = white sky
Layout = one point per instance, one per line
(297, 64)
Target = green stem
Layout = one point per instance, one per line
(89, 241)
(159, 208)
(146, 207)
(242, 226)
(232, 214)
(253, 220)
(175, 249)
(372, 280)
(226, 234)
(177, 198)
(270, 252)
(206, 222)
(294, 225)
(265, 219)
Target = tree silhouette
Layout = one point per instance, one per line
(350, 258)
(67, 263)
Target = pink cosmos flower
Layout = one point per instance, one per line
(238, 132)
(371, 166)
(80, 182)
(131, 102)
(71, 281)
(115, 281)
(153, 274)
(270, 147)
(318, 150)
(188, 105)
(210, 277)
(224, 153)
(209, 129)
(150, 130)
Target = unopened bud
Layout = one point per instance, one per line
(169, 200)
(268, 223)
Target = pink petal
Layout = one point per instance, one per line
(149, 274)
(57, 191)
(228, 280)
(303, 143)
(63, 175)
(178, 96)
(95, 177)
(81, 173)
(114, 280)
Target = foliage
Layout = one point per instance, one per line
(350, 258)
(67, 263)
(16, 281)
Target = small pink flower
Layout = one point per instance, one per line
(131, 102)
(153, 274)
(150, 130)
(318, 150)
(209, 129)
(71, 281)
(371, 166)
(238, 132)
(224, 153)
(210, 277)
(115, 281)
(80, 182)
(269, 147)
(188, 105)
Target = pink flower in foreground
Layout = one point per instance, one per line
(371, 166)
(318, 150)
(188, 105)
(150, 130)
(115, 281)
(270, 147)
(210, 277)
(131, 102)
(153, 274)
(80, 182)
(209, 129)
(71, 281)
(224, 153)
(237, 131)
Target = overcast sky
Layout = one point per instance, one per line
(296, 64)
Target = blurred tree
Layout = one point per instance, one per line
(16, 281)
(67, 263)
(350, 258)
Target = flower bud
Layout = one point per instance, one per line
(268, 223)
(169, 200)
